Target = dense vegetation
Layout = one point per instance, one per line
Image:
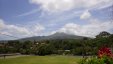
(105, 56)
(85, 46)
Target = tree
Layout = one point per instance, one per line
(46, 49)
(103, 34)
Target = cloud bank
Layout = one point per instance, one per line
(20, 31)
(89, 30)
(64, 5)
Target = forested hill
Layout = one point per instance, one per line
(52, 37)
(59, 46)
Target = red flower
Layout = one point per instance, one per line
(104, 51)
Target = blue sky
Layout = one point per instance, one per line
(26, 18)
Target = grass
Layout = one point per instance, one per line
(41, 60)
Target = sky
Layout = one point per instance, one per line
(27, 18)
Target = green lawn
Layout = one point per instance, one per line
(41, 60)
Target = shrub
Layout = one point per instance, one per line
(104, 57)
(95, 60)
(104, 51)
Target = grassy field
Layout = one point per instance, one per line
(41, 60)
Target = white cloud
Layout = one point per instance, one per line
(19, 31)
(90, 30)
(28, 13)
(54, 5)
(6, 33)
(36, 29)
(16, 29)
(85, 15)
(1, 24)
(62, 5)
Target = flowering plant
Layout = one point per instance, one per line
(104, 56)
(104, 51)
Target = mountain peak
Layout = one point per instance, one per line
(60, 33)
(57, 35)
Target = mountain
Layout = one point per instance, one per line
(56, 35)
(59, 35)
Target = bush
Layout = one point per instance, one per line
(95, 60)
(104, 57)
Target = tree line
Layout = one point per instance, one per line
(85, 46)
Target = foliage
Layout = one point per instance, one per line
(95, 60)
(104, 51)
(104, 57)
(45, 49)
(85, 46)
